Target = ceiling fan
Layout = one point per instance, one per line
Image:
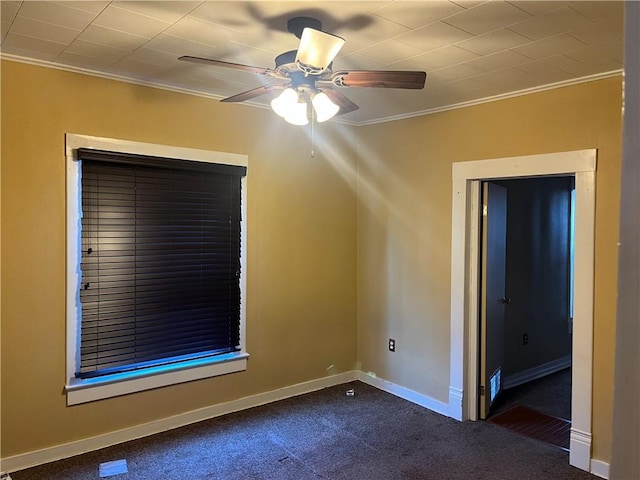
(305, 75)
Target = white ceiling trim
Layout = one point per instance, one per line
(135, 81)
(479, 101)
(109, 76)
(502, 96)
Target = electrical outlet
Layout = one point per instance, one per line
(525, 339)
(392, 345)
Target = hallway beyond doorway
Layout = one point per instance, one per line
(550, 395)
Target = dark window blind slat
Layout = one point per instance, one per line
(160, 261)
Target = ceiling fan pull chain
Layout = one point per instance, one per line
(313, 131)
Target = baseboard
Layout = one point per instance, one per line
(580, 450)
(600, 468)
(534, 373)
(46, 455)
(402, 392)
(455, 403)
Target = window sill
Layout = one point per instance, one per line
(91, 389)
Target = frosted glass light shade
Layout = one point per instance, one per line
(285, 102)
(317, 50)
(324, 107)
(297, 114)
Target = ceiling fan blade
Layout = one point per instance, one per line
(249, 94)
(339, 99)
(220, 63)
(317, 50)
(379, 78)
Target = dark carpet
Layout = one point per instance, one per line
(534, 424)
(326, 435)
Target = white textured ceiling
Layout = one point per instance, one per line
(470, 49)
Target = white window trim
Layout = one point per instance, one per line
(87, 390)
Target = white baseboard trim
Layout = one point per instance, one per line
(580, 450)
(600, 468)
(455, 403)
(50, 454)
(534, 373)
(402, 392)
(580, 453)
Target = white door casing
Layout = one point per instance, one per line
(465, 244)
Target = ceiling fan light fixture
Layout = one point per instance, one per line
(317, 50)
(297, 114)
(324, 107)
(303, 72)
(284, 102)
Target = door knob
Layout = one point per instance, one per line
(505, 300)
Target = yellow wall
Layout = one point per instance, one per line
(301, 247)
(404, 225)
(317, 257)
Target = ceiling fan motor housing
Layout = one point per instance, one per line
(289, 58)
(286, 58)
(296, 25)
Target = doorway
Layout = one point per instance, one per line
(526, 296)
(467, 177)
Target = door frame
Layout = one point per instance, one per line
(465, 244)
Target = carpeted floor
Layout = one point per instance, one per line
(326, 435)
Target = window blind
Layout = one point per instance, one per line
(160, 261)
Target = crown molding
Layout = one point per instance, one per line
(502, 96)
(420, 113)
(109, 76)
(134, 81)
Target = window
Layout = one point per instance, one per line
(158, 276)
